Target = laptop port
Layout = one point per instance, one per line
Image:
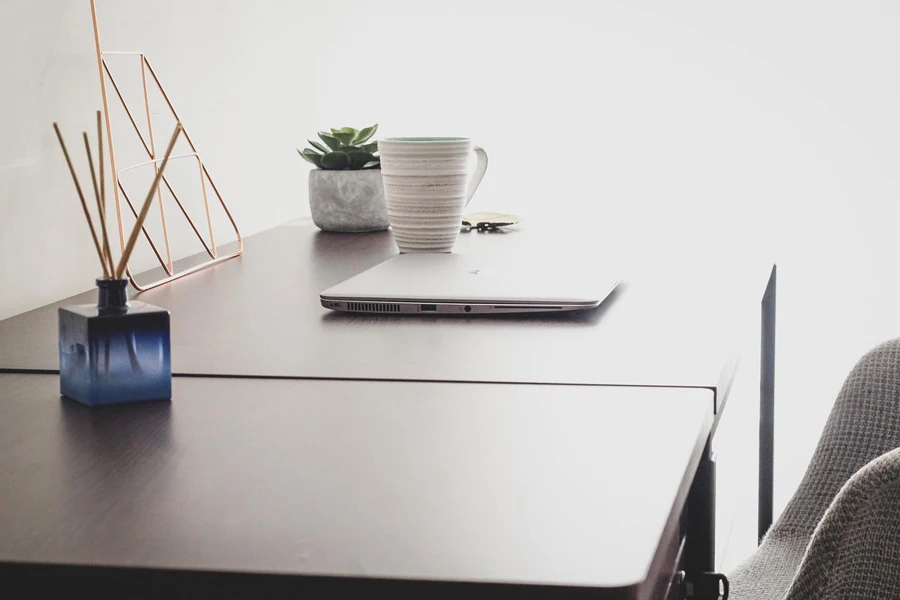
(428, 307)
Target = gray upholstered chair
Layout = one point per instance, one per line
(839, 536)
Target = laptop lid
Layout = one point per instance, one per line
(460, 283)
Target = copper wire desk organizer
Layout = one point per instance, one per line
(149, 147)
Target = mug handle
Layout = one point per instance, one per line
(478, 175)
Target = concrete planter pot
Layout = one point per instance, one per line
(348, 201)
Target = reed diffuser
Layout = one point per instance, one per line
(115, 351)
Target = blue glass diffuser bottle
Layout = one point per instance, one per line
(116, 351)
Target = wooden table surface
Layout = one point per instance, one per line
(382, 448)
(672, 322)
(497, 484)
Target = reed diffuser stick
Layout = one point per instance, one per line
(104, 251)
(132, 239)
(106, 246)
(87, 214)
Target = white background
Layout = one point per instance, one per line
(763, 127)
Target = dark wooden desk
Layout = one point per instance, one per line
(671, 322)
(676, 322)
(328, 486)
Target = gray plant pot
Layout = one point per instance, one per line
(347, 201)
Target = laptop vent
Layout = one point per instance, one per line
(382, 307)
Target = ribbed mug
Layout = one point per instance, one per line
(428, 181)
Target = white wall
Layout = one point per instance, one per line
(705, 124)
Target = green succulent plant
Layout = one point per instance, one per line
(344, 148)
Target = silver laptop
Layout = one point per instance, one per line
(431, 283)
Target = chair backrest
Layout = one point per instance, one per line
(855, 552)
(863, 425)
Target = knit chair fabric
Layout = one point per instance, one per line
(839, 536)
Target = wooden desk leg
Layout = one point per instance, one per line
(767, 407)
(700, 546)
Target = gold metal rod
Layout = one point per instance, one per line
(159, 196)
(168, 102)
(212, 234)
(109, 136)
(102, 169)
(144, 229)
(104, 249)
(135, 231)
(155, 161)
(179, 275)
(210, 251)
(134, 124)
(147, 106)
(87, 214)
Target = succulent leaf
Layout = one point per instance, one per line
(331, 141)
(345, 137)
(365, 134)
(359, 159)
(311, 156)
(336, 160)
(344, 148)
(318, 146)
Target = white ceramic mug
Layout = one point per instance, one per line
(428, 181)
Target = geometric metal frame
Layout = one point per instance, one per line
(150, 148)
